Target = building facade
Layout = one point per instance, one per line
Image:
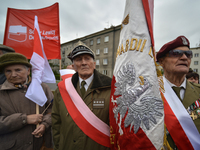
(104, 45)
(195, 61)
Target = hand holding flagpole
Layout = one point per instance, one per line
(41, 71)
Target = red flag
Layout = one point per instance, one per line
(19, 30)
(136, 107)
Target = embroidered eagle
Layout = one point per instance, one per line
(140, 108)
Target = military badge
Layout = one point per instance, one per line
(194, 109)
(98, 103)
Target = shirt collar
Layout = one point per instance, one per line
(88, 80)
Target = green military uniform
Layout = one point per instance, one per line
(66, 134)
(192, 93)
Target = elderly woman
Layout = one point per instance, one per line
(20, 127)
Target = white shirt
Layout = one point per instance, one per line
(183, 85)
(88, 81)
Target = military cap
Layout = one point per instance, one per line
(6, 48)
(13, 59)
(179, 41)
(80, 49)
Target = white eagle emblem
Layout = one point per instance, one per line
(140, 108)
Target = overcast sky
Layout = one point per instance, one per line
(79, 18)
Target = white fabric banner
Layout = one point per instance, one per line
(137, 98)
(41, 70)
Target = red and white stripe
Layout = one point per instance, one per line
(140, 27)
(197, 103)
(82, 115)
(178, 121)
(41, 70)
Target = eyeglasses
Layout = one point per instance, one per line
(179, 53)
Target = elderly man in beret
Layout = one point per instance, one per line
(181, 95)
(4, 49)
(81, 107)
(18, 118)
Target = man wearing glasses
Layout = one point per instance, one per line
(181, 97)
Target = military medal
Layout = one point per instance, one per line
(194, 109)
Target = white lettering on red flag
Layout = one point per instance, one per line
(19, 30)
(136, 107)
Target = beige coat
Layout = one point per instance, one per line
(66, 134)
(15, 133)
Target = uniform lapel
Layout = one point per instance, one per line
(190, 96)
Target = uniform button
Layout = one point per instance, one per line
(30, 143)
(24, 121)
(74, 141)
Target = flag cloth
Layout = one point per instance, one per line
(136, 107)
(41, 70)
(19, 30)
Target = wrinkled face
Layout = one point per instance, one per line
(84, 64)
(16, 74)
(176, 65)
(194, 80)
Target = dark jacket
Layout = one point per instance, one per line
(66, 134)
(2, 78)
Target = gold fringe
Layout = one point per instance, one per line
(166, 145)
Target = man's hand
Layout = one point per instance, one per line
(39, 131)
(34, 119)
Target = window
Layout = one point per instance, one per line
(91, 42)
(105, 50)
(97, 51)
(195, 70)
(105, 61)
(195, 62)
(196, 54)
(98, 41)
(105, 72)
(106, 39)
(97, 62)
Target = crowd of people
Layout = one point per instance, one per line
(61, 126)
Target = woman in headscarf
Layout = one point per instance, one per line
(20, 127)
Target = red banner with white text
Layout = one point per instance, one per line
(19, 30)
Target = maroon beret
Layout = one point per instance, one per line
(179, 41)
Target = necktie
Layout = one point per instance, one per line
(83, 88)
(177, 91)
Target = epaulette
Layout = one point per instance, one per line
(195, 84)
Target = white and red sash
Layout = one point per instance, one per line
(178, 121)
(85, 119)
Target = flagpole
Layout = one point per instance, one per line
(37, 112)
(60, 67)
